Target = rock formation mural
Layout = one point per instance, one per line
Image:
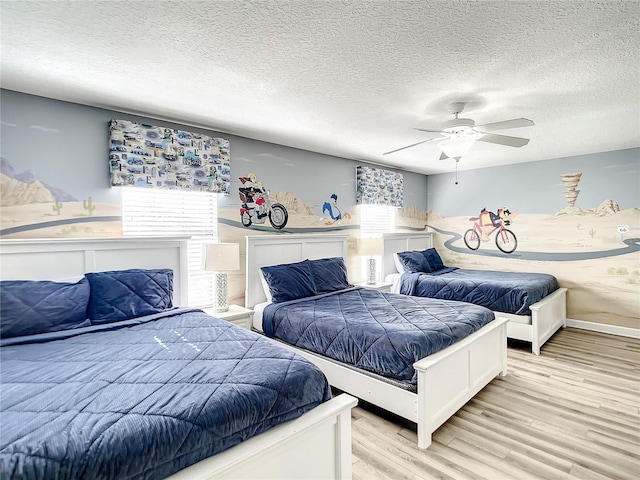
(31, 208)
(571, 181)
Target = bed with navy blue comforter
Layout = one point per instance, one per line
(423, 274)
(383, 333)
(143, 398)
(509, 292)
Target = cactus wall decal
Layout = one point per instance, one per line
(56, 207)
(88, 205)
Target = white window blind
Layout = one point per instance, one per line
(159, 213)
(376, 220)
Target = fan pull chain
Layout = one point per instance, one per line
(457, 160)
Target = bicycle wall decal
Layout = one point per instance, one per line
(486, 224)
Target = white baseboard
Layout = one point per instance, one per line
(604, 328)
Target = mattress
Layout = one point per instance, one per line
(510, 292)
(383, 333)
(144, 398)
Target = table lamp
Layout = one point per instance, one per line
(371, 247)
(221, 258)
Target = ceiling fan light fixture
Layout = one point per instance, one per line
(460, 134)
(456, 147)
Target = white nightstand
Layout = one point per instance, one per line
(380, 286)
(241, 316)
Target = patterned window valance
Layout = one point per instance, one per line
(155, 157)
(375, 186)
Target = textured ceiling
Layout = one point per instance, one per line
(345, 78)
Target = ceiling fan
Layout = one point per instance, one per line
(460, 134)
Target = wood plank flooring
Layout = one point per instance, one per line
(571, 413)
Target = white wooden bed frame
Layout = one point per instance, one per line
(315, 445)
(446, 380)
(547, 315)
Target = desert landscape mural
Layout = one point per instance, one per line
(31, 208)
(593, 252)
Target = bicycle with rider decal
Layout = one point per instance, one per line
(488, 223)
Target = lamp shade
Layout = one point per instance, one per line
(371, 247)
(221, 257)
(456, 147)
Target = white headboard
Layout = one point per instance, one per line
(401, 242)
(70, 259)
(263, 250)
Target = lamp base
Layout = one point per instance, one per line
(372, 270)
(221, 291)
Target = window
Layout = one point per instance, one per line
(160, 213)
(376, 220)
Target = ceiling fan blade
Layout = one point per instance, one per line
(427, 130)
(408, 146)
(514, 123)
(503, 140)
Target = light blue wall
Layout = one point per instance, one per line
(66, 145)
(536, 187)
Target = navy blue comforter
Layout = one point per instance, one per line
(510, 292)
(383, 333)
(146, 400)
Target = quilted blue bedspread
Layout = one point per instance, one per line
(145, 400)
(510, 292)
(384, 333)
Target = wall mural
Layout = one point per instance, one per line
(257, 206)
(332, 210)
(264, 210)
(142, 155)
(592, 251)
(31, 207)
(488, 223)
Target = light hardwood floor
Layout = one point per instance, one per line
(573, 412)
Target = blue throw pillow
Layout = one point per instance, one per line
(29, 307)
(413, 261)
(330, 274)
(289, 281)
(123, 294)
(434, 259)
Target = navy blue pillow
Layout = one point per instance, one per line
(123, 294)
(289, 281)
(29, 307)
(329, 274)
(434, 259)
(413, 261)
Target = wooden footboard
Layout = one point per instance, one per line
(450, 378)
(316, 445)
(547, 316)
(446, 380)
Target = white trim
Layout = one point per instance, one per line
(604, 328)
